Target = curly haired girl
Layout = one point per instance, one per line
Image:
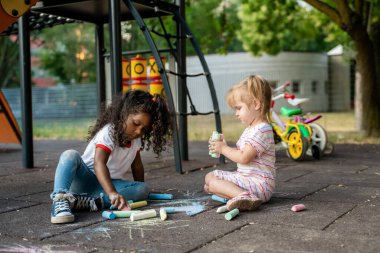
(132, 122)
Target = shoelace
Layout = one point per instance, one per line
(61, 206)
(86, 202)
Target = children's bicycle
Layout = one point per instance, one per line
(319, 135)
(294, 136)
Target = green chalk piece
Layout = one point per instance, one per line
(232, 214)
(108, 215)
(124, 214)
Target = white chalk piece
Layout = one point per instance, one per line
(138, 204)
(163, 214)
(108, 215)
(125, 214)
(160, 196)
(218, 198)
(146, 214)
(232, 214)
(222, 209)
(298, 208)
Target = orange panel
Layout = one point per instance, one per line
(11, 10)
(7, 134)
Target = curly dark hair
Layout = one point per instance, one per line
(134, 102)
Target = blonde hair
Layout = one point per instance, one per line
(249, 89)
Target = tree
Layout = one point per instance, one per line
(9, 61)
(70, 58)
(360, 20)
(274, 26)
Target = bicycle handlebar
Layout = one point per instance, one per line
(282, 86)
(283, 95)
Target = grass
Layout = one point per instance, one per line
(341, 128)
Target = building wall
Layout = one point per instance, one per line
(339, 79)
(226, 70)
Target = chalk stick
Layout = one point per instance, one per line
(108, 215)
(125, 214)
(298, 208)
(160, 196)
(163, 214)
(169, 209)
(138, 204)
(222, 209)
(218, 198)
(146, 214)
(231, 214)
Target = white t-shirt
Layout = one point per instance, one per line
(120, 159)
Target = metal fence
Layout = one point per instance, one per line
(60, 102)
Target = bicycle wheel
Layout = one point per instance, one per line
(319, 136)
(297, 146)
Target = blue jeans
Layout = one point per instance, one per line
(73, 175)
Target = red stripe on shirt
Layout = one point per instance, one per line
(104, 147)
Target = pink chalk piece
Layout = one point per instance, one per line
(298, 208)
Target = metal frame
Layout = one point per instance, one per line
(116, 13)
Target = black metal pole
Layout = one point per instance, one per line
(26, 92)
(165, 81)
(182, 102)
(100, 71)
(115, 43)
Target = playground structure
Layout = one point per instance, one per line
(53, 12)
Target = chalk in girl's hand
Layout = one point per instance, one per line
(146, 214)
(298, 208)
(218, 198)
(163, 214)
(125, 214)
(138, 204)
(160, 196)
(222, 209)
(108, 215)
(231, 214)
(130, 201)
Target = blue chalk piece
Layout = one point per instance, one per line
(108, 215)
(160, 196)
(130, 201)
(169, 209)
(218, 198)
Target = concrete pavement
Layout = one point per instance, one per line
(341, 193)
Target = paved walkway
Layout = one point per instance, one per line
(341, 193)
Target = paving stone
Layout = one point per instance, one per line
(296, 190)
(349, 194)
(362, 221)
(34, 222)
(265, 238)
(8, 205)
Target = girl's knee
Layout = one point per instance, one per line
(209, 177)
(70, 155)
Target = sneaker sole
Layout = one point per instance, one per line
(63, 219)
(245, 204)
